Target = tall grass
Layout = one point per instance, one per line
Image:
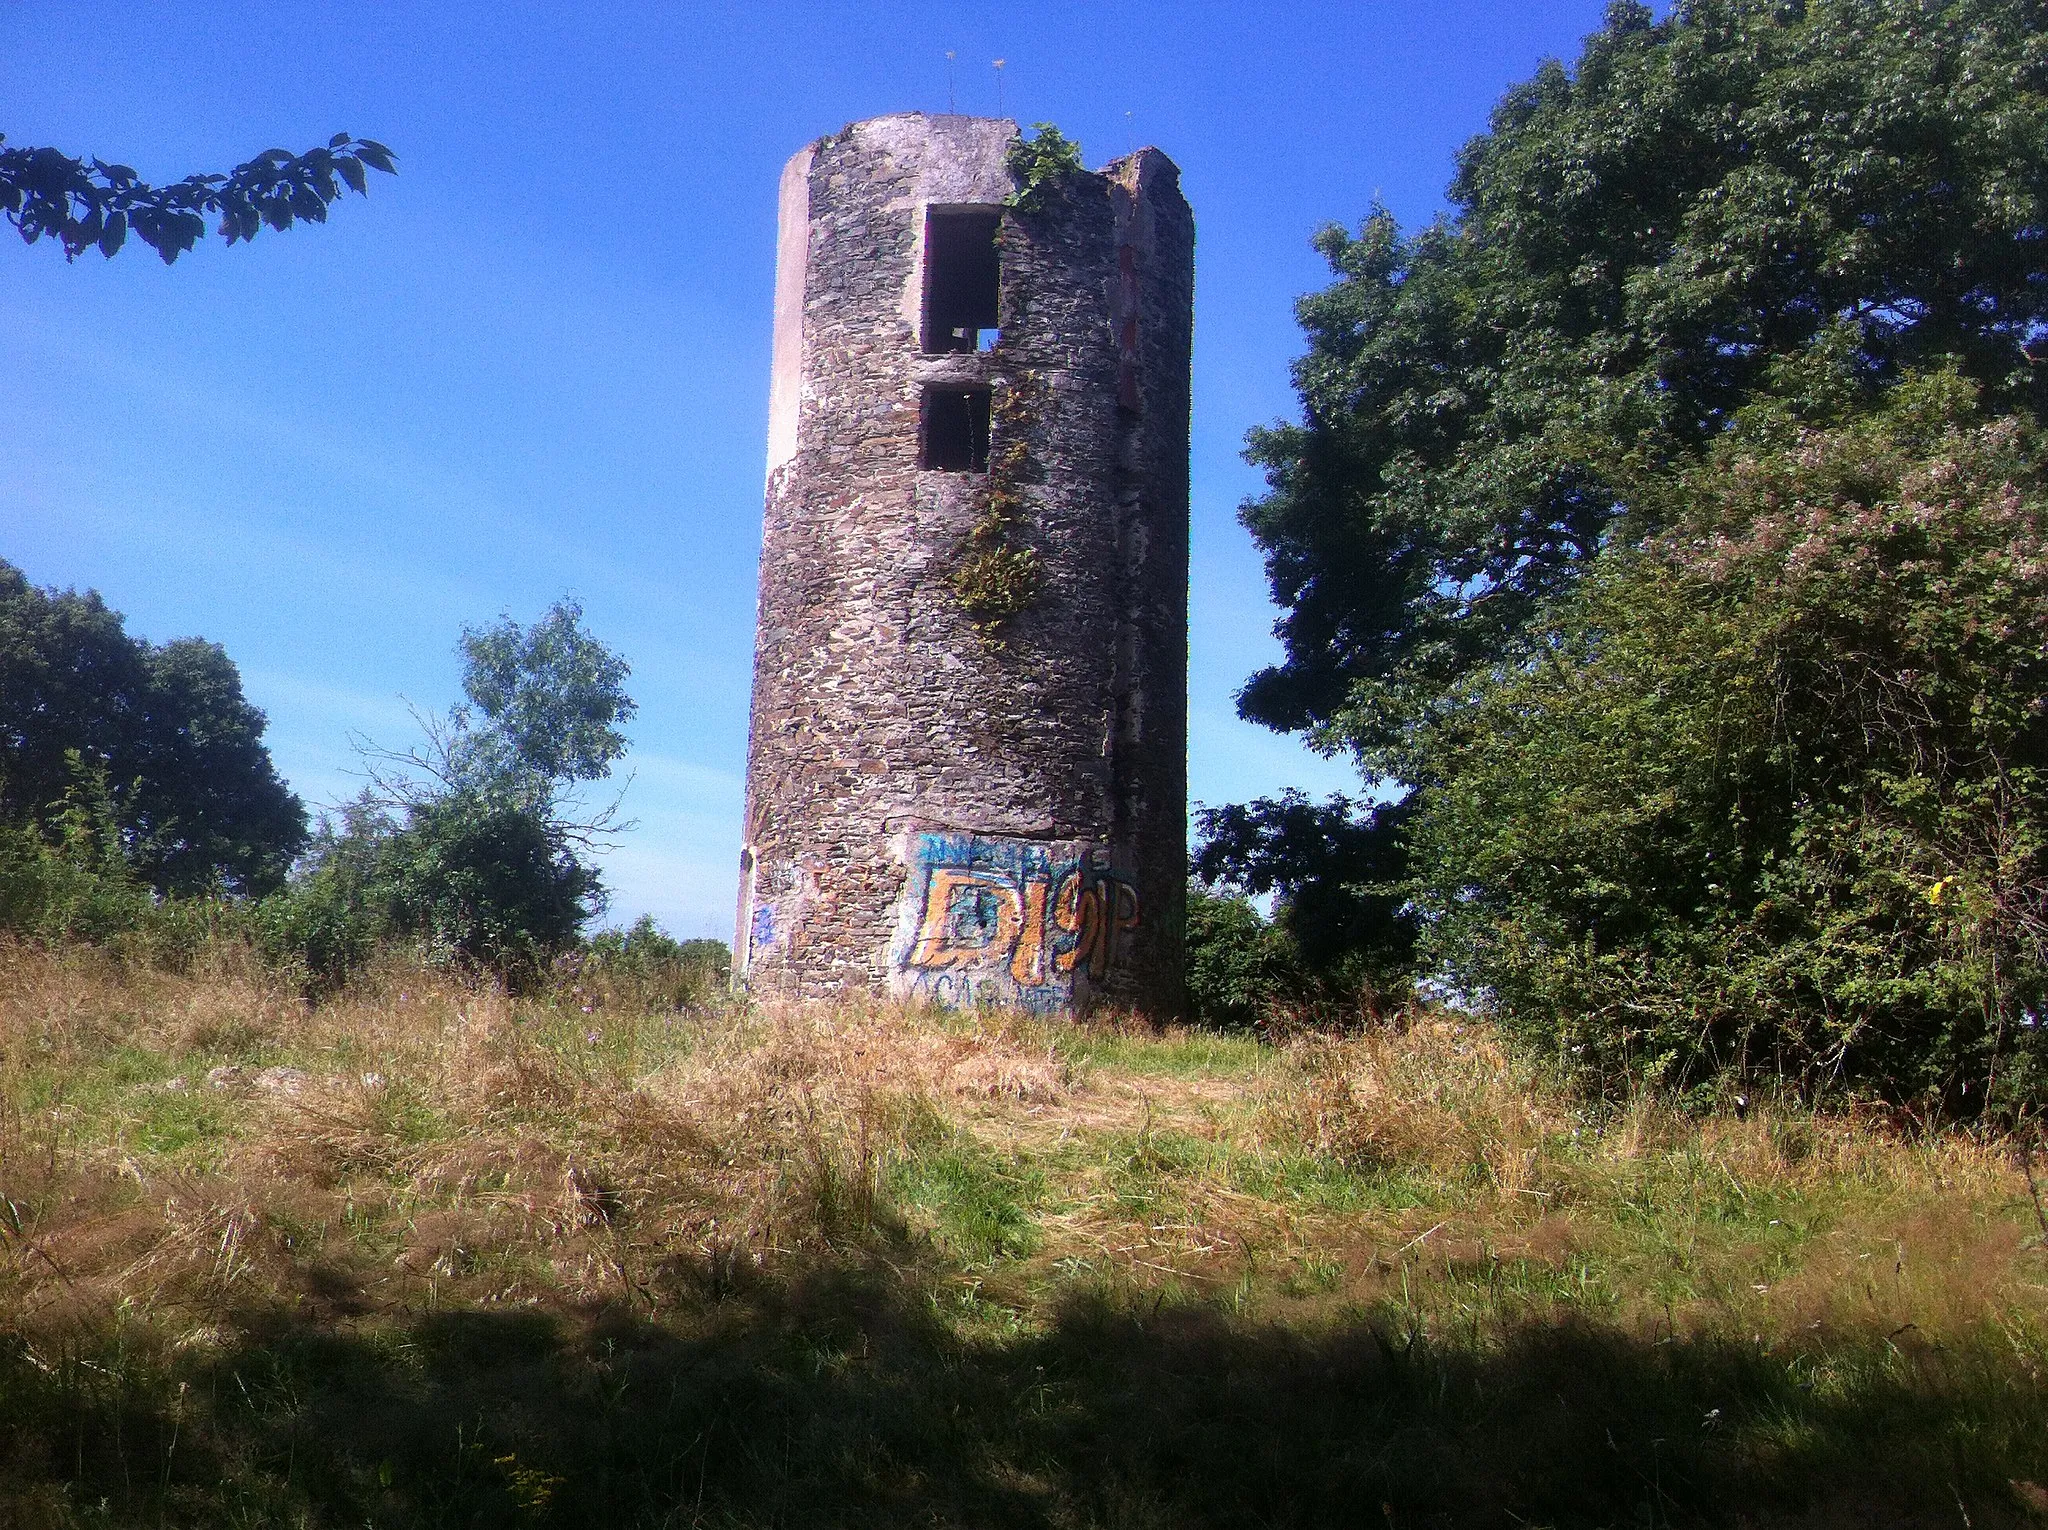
(423, 1254)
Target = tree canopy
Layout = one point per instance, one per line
(194, 794)
(542, 716)
(474, 842)
(1750, 198)
(1662, 530)
(1338, 871)
(89, 204)
(544, 709)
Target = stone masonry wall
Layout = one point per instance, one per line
(930, 810)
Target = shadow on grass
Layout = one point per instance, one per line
(840, 1399)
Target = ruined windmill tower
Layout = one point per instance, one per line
(967, 772)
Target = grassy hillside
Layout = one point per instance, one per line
(425, 1256)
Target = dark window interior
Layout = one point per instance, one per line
(961, 275)
(955, 430)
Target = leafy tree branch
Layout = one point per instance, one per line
(1748, 199)
(88, 204)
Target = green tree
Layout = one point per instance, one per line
(90, 204)
(1240, 967)
(475, 842)
(1339, 874)
(542, 719)
(1768, 792)
(644, 965)
(68, 878)
(1712, 233)
(487, 878)
(644, 946)
(1637, 248)
(192, 790)
(338, 909)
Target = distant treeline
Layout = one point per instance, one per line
(139, 810)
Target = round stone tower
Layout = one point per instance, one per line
(967, 769)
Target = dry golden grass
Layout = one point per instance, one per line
(531, 1151)
(1776, 1223)
(193, 1165)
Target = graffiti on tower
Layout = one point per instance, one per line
(776, 896)
(1007, 921)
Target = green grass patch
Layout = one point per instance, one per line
(621, 1043)
(1175, 1054)
(1312, 1182)
(190, 1126)
(1383, 1278)
(977, 1205)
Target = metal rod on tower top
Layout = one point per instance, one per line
(952, 105)
(999, 85)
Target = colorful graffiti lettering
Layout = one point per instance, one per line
(1022, 922)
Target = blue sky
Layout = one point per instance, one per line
(535, 363)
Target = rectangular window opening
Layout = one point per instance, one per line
(954, 432)
(962, 276)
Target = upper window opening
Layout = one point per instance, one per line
(955, 433)
(962, 273)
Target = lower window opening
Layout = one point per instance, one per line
(955, 430)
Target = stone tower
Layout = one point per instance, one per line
(967, 768)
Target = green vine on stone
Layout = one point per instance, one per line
(999, 575)
(1038, 162)
(996, 580)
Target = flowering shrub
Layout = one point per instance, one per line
(1767, 792)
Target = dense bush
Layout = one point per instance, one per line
(470, 849)
(1766, 794)
(644, 946)
(486, 881)
(1710, 709)
(1241, 967)
(1338, 875)
(70, 881)
(367, 890)
(460, 878)
(644, 965)
(62, 887)
(335, 914)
